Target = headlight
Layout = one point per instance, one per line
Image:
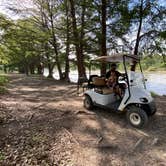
(144, 100)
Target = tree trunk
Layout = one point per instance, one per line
(5, 69)
(54, 41)
(49, 63)
(57, 60)
(50, 71)
(138, 34)
(139, 30)
(103, 34)
(26, 68)
(80, 58)
(82, 31)
(66, 76)
(40, 69)
(32, 68)
(164, 60)
(21, 69)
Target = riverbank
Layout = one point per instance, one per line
(43, 122)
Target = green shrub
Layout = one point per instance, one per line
(2, 157)
(153, 94)
(3, 80)
(151, 68)
(3, 90)
(153, 63)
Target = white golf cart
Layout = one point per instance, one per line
(136, 101)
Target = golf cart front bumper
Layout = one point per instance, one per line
(150, 108)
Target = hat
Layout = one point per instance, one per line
(113, 65)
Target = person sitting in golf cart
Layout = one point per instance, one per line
(112, 77)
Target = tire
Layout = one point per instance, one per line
(153, 108)
(137, 117)
(88, 104)
(153, 113)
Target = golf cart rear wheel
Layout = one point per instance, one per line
(137, 117)
(88, 104)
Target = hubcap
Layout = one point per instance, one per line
(135, 118)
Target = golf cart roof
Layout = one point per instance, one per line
(117, 58)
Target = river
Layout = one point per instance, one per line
(156, 81)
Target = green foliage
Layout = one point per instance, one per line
(163, 34)
(2, 157)
(42, 37)
(153, 94)
(153, 63)
(3, 80)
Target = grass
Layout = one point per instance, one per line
(154, 94)
(3, 82)
(2, 157)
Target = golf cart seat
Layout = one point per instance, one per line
(90, 81)
(99, 81)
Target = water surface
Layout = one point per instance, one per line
(156, 81)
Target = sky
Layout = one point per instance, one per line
(28, 3)
(4, 4)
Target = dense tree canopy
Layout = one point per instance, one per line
(68, 33)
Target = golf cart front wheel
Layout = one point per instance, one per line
(88, 104)
(137, 117)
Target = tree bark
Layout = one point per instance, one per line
(40, 69)
(80, 58)
(82, 29)
(103, 34)
(32, 68)
(54, 41)
(67, 67)
(5, 69)
(50, 71)
(50, 65)
(139, 30)
(26, 68)
(138, 34)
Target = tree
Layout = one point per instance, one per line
(103, 33)
(147, 17)
(66, 77)
(78, 39)
(46, 15)
(147, 20)
(21, 42)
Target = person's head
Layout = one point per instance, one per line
(113, 66)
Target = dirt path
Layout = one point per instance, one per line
(43, 122)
